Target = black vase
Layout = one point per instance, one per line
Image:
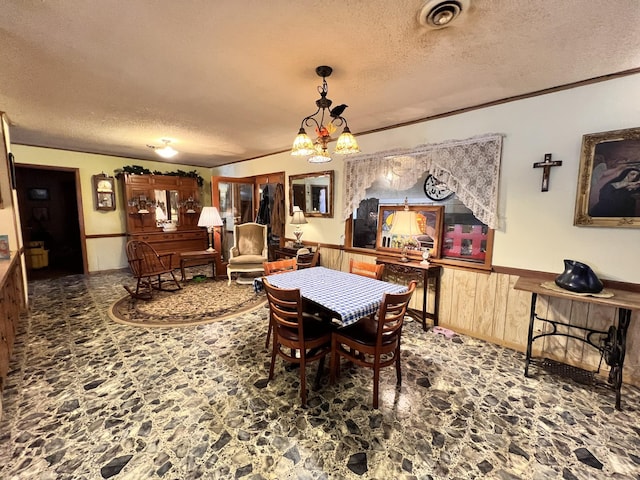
(578, 277)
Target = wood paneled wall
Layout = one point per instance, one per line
(12, 303)
(485, 306)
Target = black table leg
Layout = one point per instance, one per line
(624, 318)
(316, 385)
(532, 318)
(436, 298)
(425, 287)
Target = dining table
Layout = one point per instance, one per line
(347, 297)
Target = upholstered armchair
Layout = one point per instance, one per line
(249, 251)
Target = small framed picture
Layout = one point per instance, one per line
(104, 192)
(38, 194)
(4, 247)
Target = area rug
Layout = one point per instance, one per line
(196, 304)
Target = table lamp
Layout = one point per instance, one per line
(210, 218)
(297, 220)
(405, 224)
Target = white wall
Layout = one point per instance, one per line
(537, 230)
(7, 221)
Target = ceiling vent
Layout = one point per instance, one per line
(441, 13)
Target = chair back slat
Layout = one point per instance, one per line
(392, 311)
(280, 266)
(364, 269)
(285, 306)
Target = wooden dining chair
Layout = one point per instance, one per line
(298, 338)
(374, 341)
(307, 260)
(371, 270)
(280, 266)
(273, 268)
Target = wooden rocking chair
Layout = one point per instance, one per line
(145, 264)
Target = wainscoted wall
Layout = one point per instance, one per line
(486, 306)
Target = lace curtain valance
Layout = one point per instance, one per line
(469, 167)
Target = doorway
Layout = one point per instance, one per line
(249, 199)
(50, 219)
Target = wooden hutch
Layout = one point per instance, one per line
(163, 210)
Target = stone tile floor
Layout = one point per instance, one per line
(88, 399)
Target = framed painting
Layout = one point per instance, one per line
(414, 227)
(609, 180)
(38, 194)
(104, 191)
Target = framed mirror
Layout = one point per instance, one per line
(313, 193)
(415, 228)
(166, 203)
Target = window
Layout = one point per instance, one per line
(466, 241)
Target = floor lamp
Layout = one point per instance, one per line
(210, 218)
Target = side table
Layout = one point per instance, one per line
(610, 343)
(198, 257)
(424, 273)
(288, 252)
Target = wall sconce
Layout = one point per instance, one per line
(297, 220)
(210, 218)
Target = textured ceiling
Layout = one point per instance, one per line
(231, 80)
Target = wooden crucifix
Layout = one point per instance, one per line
(546, 170)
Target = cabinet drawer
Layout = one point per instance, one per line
(137, 180)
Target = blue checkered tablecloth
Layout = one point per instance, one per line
(349, 296)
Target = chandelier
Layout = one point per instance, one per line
(317, 150)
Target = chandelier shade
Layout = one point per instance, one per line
(302, 144)
(347, 143)
(320, 155)
(316, 150)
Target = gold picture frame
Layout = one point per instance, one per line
(608, 192)
(104, 192)
(429, 235)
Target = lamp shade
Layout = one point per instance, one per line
(405, 222)
(298, 217)
(209, 217)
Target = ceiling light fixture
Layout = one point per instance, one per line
(165, 152)
(317, 151)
